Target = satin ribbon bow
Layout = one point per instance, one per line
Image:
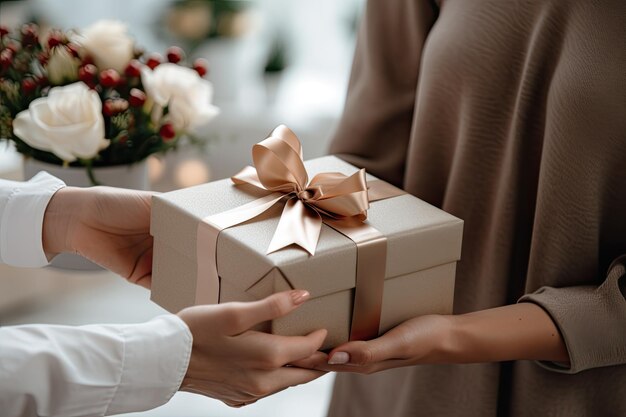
(280, 171)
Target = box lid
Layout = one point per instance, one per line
(419, 235)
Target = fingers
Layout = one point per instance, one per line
(279, 379)
(266, 351)
(244, 390)
(239, 317)
(145, 282)
(365, 353)
(366, 369)
(317, 360)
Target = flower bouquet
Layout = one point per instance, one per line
(90, 98)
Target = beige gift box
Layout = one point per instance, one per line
(423, 246)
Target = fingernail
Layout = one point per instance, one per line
(339, 358)
(299, 296)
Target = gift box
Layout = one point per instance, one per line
(411, 274)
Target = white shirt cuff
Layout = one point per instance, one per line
(156, 358)
(21, 219)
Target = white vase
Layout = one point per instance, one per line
(133, 176)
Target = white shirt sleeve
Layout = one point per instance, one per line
(78, 371)
(94, 370)
(22, 207)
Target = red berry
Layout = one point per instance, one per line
(154, 60)
(201, 66)
(111, 107)
(29, 85)
(108, 108)
(87, 74)
(109, 78)
(167, 132)
(136, 97)
(55, 38)
(121, 105)
(133, 69)
(3, 31)
(42, 80)
(175, 54)
(6, 58)
(13, 46)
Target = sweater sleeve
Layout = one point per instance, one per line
(94, 370)
(592, 320)
(375, 128)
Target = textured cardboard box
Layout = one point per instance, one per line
(423, 246)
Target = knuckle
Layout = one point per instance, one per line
(231, 318)
(364, 355)
(276, 306)
(259, 388)
(272, 358)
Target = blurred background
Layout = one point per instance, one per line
(271, 62)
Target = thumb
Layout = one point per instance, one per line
(239, 317)
(362, 353)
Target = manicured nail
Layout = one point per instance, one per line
(299, 296)
(339, 358)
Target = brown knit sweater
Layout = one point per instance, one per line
(510, 114)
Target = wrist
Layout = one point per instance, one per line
(447, 345)
(58, 222)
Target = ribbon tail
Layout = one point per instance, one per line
(207, 279)
(243, 213)
(299, 225)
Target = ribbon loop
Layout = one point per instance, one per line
(279, 167)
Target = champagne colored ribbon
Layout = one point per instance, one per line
(280, 169)
(336, 199)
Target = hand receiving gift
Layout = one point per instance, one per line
(513, 332)
(240, 366)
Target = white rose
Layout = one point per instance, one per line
(186, 95)
(108, 43)
(68, 123)
(62, 66)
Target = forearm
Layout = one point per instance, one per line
(521, 331)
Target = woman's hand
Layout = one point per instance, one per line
(419, 340)
(515, 332)
(239, 366)
(109, 226)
